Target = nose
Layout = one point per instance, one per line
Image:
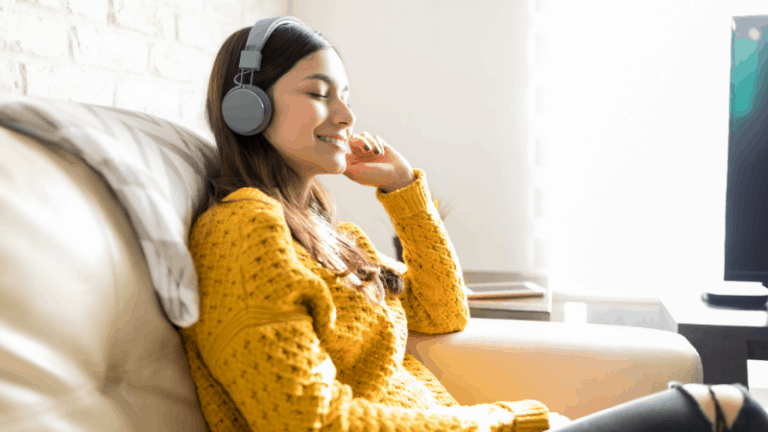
(344, 114)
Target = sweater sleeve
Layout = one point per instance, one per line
(268, 358)
(434, 301)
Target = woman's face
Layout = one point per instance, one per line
(305, 106)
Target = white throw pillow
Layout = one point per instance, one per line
(156, 168)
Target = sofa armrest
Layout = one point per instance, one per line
(574, 369)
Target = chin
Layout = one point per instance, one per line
(340, 169)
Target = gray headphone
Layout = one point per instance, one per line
(246, 108)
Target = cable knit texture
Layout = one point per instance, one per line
(283, 345)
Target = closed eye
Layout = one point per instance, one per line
(326, 97)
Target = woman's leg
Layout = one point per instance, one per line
(729, 398)
(680, 408)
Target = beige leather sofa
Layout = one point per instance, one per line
(85, 344)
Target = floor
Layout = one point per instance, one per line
(644, 315)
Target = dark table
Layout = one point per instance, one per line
(724, 337)
(527, 308)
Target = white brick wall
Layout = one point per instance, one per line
(150, 55)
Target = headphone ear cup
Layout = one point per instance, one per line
(247, 109)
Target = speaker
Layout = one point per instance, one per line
(246, 108)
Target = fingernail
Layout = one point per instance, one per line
(367, 147)
(376, 151)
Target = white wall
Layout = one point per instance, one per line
(150, 55)
(445, 83)
(635, 113)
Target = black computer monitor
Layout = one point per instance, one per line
(746, 204)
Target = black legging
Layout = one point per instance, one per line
(670, 410)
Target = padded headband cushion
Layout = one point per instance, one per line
(250, 57)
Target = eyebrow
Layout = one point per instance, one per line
(324, 77)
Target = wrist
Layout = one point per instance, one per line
(399, 185)
(389, 189)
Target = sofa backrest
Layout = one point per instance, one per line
(85, 343)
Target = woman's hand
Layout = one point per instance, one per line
(387, 170)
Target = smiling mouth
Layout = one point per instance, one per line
(342, 147)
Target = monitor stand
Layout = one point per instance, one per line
(738, 295)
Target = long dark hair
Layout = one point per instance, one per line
(251, 161)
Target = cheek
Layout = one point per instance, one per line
(297, 121)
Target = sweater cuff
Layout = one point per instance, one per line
(407, 201)
(530, 415)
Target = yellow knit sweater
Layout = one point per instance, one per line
(283, 345)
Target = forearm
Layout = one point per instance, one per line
(434, 300)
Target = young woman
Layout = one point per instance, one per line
(303, 322)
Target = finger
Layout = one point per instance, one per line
(361, 159)
(382, 145)
(374, 141)
(359, 144)
(364, 142)
(354, 159)
(359, 154)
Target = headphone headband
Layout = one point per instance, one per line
(250, 58)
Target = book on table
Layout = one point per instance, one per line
(503, 290)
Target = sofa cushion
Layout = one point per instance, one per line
(85, 344)
(156, 168)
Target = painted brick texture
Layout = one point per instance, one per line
(153, 56)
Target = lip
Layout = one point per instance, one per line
(334, 136)
(334, 145)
